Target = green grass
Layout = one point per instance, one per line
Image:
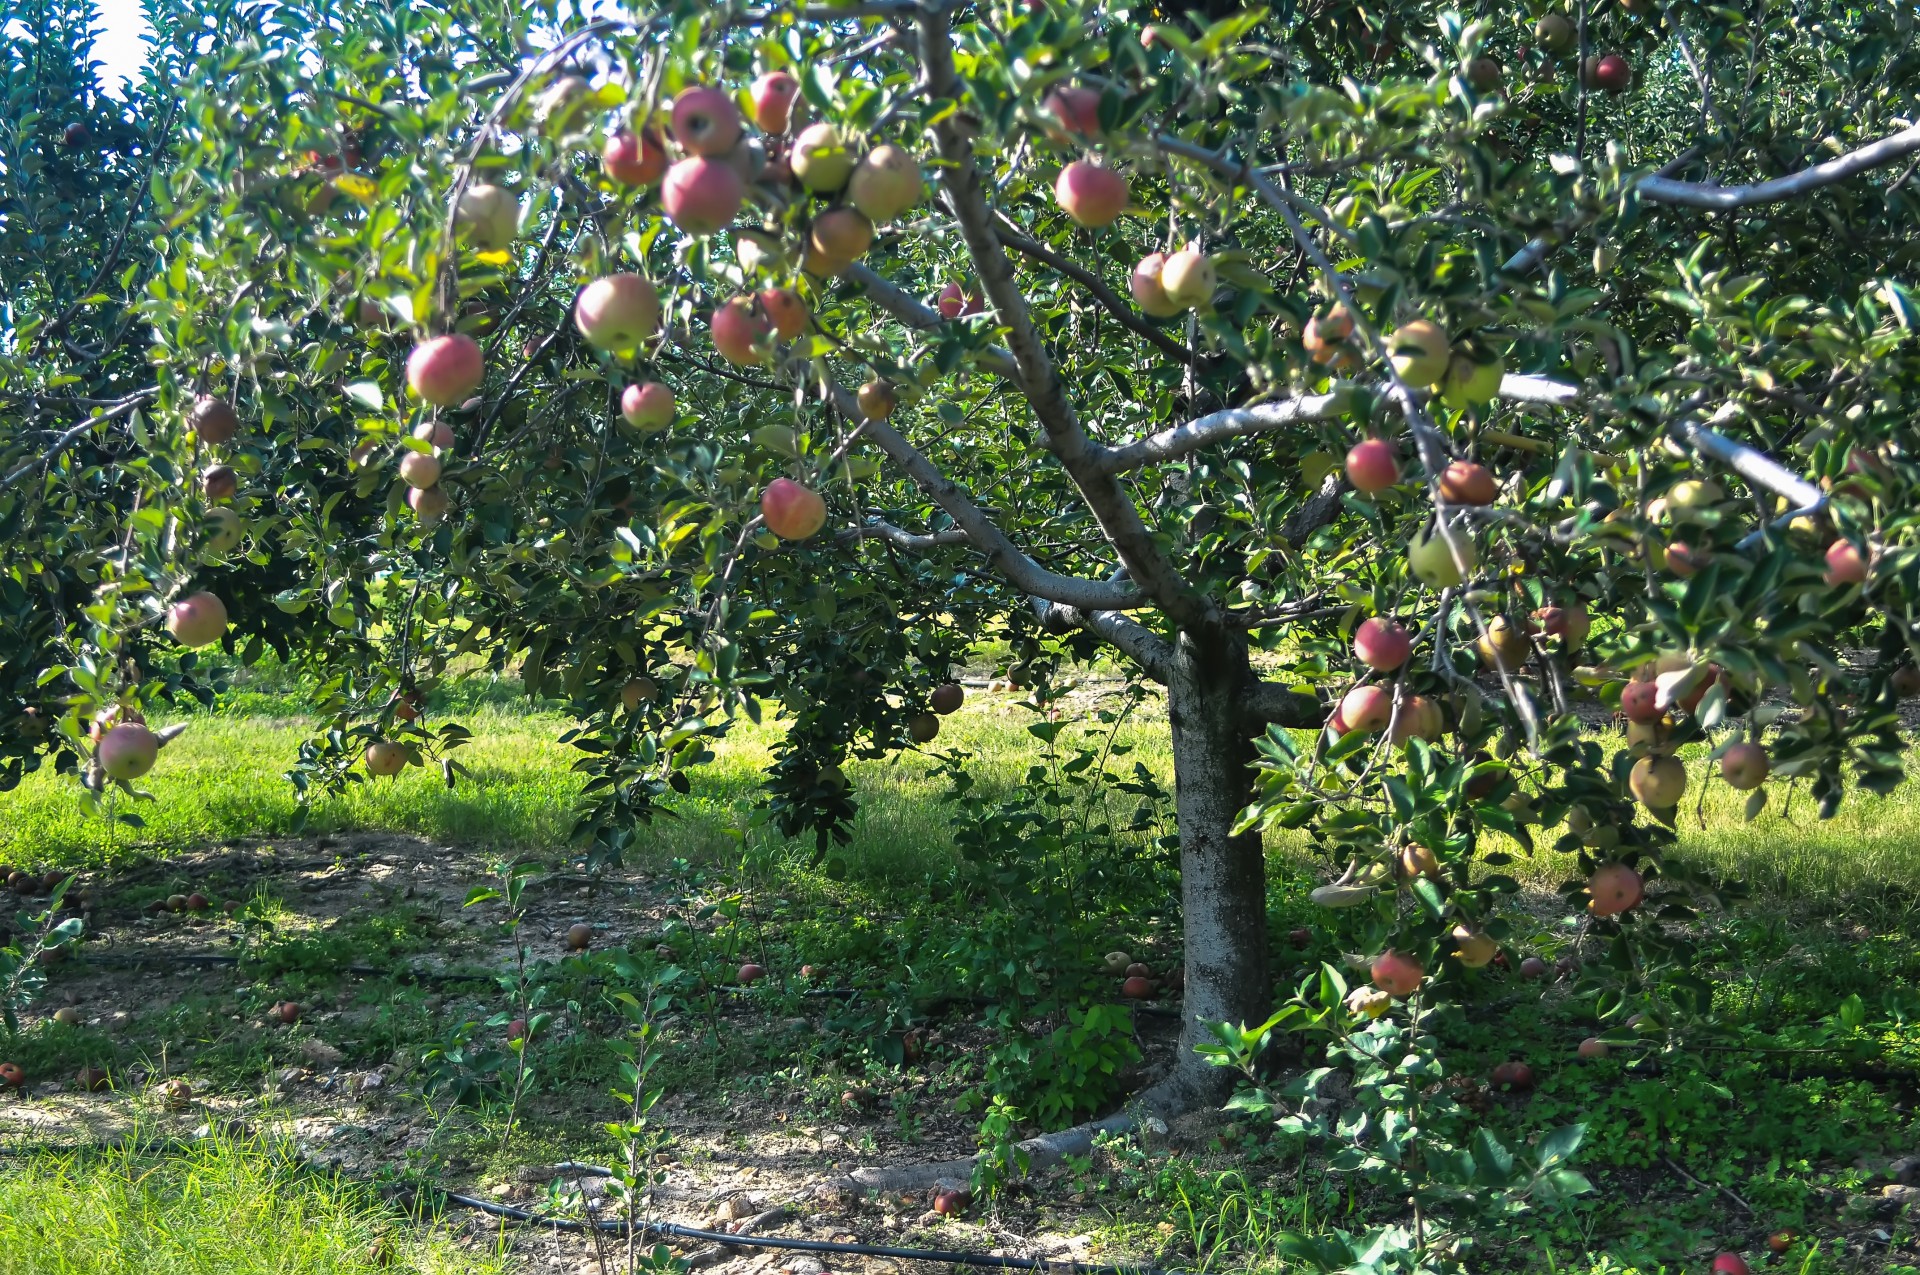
(231, 1208)
(225, 778)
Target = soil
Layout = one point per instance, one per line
(352, 1104)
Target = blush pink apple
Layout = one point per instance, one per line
(1382, 644)
(127, 752)
(634, 159)
(429, 504)
(1149, 293)
(785, 309)
(419, 469)
(1373, 465)
(1076, 112)
(1612, 889)
(1090, 193)
(1397, 974)
(702, 195)
(773, 95)
(741, 333)
(199, 619)
(1367, 708)
(706, 121)
(1844, 564)
(446, 370)
(647, 405)
(791, 511)
(617, 312)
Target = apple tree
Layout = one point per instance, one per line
(1407, 390)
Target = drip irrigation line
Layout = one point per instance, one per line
(670, 1230)
(651, 1230)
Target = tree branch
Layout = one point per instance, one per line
(899, 538)
(75, 434)
(1887, 150)
(1270, 702)
(1148, 649)
(1150, 568)
(1216, 427)
(1015, 567)
(911, 311)
(1115, 304)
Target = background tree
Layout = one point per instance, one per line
(1453, 373)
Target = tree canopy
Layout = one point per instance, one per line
(1407, 389)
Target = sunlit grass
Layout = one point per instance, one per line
(225, 779)
(232, 1208)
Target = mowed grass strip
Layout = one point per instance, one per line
(235, 1208)
(226, 779)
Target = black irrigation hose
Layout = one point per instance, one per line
(652, 1230)
(670, 1230)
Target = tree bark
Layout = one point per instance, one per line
(1223, 877)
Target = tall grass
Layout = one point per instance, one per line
(221, 1208)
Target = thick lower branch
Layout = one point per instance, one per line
(913, 312)
(1015, 567)
(1148, 649)
(899, 538)
(1888, 150)
(1152, 570)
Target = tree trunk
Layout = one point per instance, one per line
(1223, 878)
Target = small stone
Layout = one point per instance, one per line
(320, 1053)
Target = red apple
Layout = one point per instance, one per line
(213, 420)
(1076, 112)
(1136, 988)
(1533, 967)
(1373, 465)
(1744, 766)
(741, 333)
(199, 619)
(446, 370)
(1570, 624)
(579, 935)
(751, 973)
(785, 308)
(947, 698)
(705, 121)
(634, 159)
(1397, 974)
(12, 1075)
(1593, 1047)
(127, 752)
(1683, 560)
(219, 482)
(702, 195)
(923, 727)
(1611, 73)
(956, 303)
(617, 312)
(1420, 718)
(1731, 1264)
(1091, 194)
(1382, 644)
(773, 95)
(435, 434)
(948, 1200)
(1612, 889)
(1640, 702)
(1301, 937)
(1484, 74)
(1513, 1075)
(647, 406)
(516, 1031)
(791, 511)
(1464, 482)
(1367, 708)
